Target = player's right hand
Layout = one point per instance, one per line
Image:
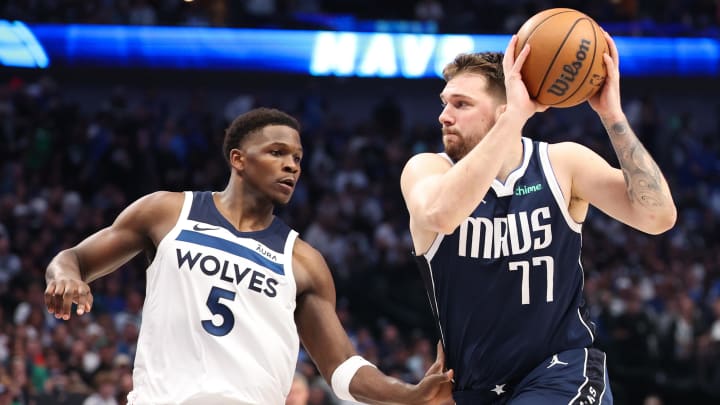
(62, 293)
(518, 98)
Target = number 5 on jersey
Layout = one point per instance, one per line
(218, 308)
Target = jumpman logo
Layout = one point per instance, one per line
(555, 361)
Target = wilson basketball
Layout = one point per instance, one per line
(565, 66)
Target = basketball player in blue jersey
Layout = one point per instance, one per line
(496, 226)
(230, 287)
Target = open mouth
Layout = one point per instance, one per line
(288, 182)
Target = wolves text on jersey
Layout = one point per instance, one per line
(513, 234)
(226, 271)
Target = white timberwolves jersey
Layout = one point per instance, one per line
(218, 320)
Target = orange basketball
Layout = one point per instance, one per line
(565, 66)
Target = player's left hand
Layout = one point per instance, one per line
(436, 387)
(606, 102)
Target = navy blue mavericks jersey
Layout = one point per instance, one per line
(506, 285)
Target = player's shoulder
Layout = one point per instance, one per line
(306, 253)
(570, 158)
(567, 147)
(311, 271)
(160, 200)
(156, 207)
(429, 158)
(154, 213)
(424, 164)
(568, 152)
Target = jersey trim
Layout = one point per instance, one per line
(506, 189)
(555, 187)
(595, 364)
(582, 320)
(445, 155)
(434, 246)
(428, 279)
(187, 204)
(288, 254)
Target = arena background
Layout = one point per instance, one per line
(78, 143)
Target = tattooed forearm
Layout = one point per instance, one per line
(645, 184)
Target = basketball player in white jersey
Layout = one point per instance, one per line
(230, 287)
(496, 223)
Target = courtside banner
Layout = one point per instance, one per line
(318, 53)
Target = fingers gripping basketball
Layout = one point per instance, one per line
(565, 66)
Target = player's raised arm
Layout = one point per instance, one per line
(486, 106)
(351, 377)
(638, 195)
(70, 271)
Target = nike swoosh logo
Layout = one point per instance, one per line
(202, 228)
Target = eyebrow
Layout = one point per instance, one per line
(444, 97)
(284, 145)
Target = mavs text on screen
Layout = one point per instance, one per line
(319, 53)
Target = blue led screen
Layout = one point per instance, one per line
(320, 53)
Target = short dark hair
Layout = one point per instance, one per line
(252, 121)
(487, 64)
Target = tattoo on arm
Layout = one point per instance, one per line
(642, 175)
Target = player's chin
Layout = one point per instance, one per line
(282, 199)
(454, 151)
(282, 193)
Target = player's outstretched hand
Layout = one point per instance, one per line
(61, 294)
(436, 387)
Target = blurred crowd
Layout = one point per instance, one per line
(619, 17)
(67, 169)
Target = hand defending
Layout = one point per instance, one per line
(61, 294)
(436, 387)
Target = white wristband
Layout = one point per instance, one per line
(342, 375)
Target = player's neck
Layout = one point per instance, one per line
(246, 211)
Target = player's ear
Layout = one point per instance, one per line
(237, 159)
